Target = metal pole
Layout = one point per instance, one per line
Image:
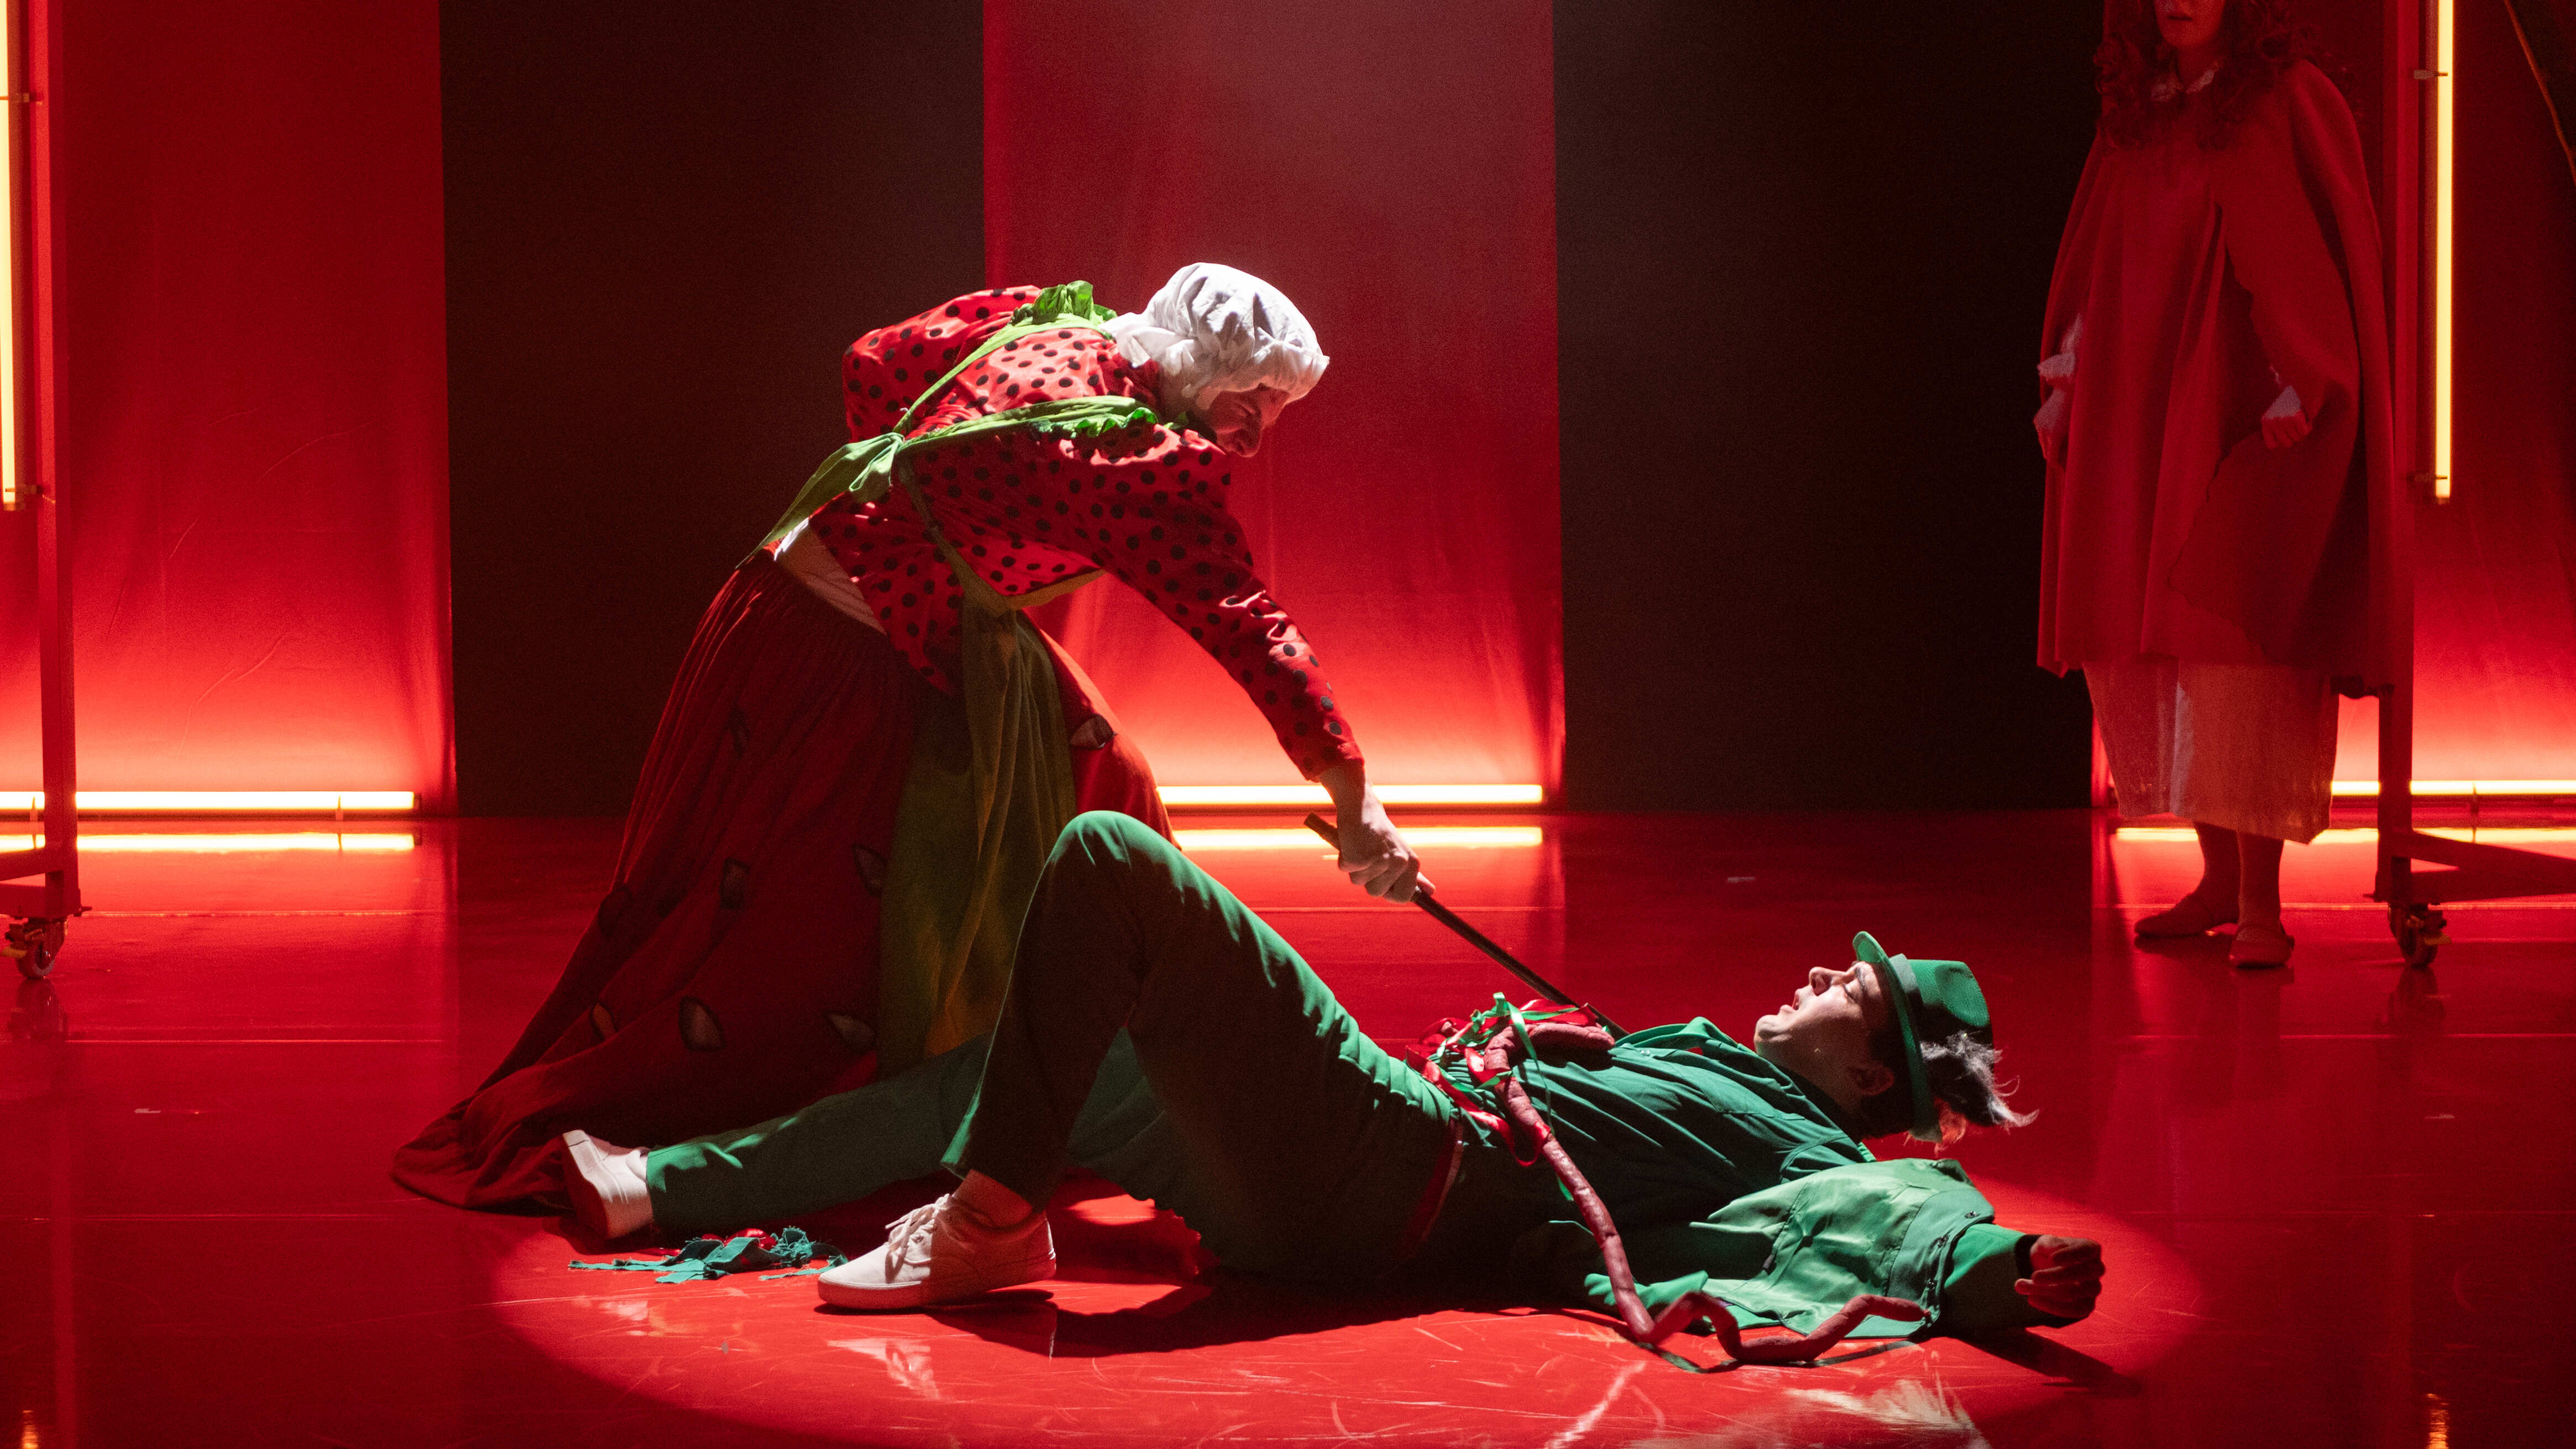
(2411, 162)
(43, 69)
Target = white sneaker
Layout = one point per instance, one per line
(606, 1185)
(940, 1253)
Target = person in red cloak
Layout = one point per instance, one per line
(869, 748)
(2216, 425)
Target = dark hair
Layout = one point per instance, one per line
(2258, 41)
(1961, 1071)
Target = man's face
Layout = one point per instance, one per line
(1823, 1031)
(1238, 419)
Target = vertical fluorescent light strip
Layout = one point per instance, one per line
(2443, 82)
(9, 104)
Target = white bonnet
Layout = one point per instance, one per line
(1215, 329)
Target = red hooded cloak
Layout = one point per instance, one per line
(2206, 279)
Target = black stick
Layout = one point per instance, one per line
(1478, 939)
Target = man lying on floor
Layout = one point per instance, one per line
(1159, 1034)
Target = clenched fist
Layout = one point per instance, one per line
(2065, 1277)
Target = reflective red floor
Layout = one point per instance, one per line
(2337, 1199)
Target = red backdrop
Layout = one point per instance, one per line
(2495, 643)
(1392, 169)
(254, 403)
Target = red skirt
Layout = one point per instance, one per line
(730, 974)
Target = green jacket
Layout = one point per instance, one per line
(1731, 1176)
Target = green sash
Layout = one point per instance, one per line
(990, 785)
(868, 468)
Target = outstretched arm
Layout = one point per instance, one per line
(1148, 506)
(1157, 521)
(2000, 1278)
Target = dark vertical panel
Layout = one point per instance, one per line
(664, 222)
(1802, 254)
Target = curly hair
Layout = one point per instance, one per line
(2134, 69)
(1961, 1072)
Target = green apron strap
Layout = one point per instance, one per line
(1069, 305)
(864, 467)
(861, 467)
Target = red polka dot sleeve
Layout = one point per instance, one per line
(885, 370)
(1146, 504)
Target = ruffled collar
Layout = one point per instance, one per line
(2168, 86)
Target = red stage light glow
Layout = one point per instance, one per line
(237, 802)
(1282, 797)
(1405, 513)
(253, 408)
(1131, 1344)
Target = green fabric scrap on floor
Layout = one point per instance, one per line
(746, 1252)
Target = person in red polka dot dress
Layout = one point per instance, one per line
(1145, 505)
(732, 972)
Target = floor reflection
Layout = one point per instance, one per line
(37, 1013)
(2335, 1197)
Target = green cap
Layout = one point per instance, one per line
(1937, 999)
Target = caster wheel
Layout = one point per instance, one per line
(2421, 932)
(33, 943)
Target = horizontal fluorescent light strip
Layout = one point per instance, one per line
(220, 843)
(2461, 789)
(1206, 797)
(236, 802)
(2511, 835)
(1454, 837)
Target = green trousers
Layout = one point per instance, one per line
(847, 1146)
(1155, 1032)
